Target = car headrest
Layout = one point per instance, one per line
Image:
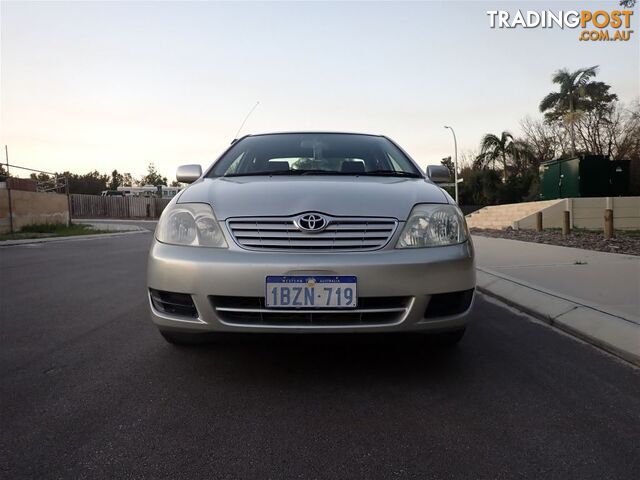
(352, 167)
(277, 166)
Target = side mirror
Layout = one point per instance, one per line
(188, 173)
(438, 173)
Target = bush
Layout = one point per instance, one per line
(480, 187)
(518, 189)
(485, 187)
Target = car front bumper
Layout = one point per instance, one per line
(419, 275)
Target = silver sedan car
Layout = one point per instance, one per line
(311, 232)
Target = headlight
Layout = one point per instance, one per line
(432, 226)
(190, 224)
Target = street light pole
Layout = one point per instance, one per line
(455, 161)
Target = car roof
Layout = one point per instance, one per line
(312, 132)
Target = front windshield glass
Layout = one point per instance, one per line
(314, 154)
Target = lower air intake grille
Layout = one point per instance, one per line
(173, 303)
(453, 303)
(251, 311)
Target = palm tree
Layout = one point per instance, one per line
(498, 149)
(574, 87)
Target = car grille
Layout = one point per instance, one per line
(341, 234)
(370, 311)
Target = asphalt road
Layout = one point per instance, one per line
(90, 390)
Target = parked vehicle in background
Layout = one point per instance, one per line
(311, 232)
(111, 193)
(169, 192)
(161, 191)
(143, 191)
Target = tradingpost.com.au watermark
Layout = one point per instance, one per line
(596, 26)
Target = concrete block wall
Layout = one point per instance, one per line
(552, 217)
(32, 208)
(503, 216)
(588, 213)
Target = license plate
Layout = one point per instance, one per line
(311, 291)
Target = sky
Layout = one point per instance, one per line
(117, 85)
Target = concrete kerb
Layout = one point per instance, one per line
(26, 241)
(111, 225)
(614, 332)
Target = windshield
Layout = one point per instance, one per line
(314, 154)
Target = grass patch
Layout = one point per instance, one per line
(47, 230)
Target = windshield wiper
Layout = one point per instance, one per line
(320, 172)
(379, 173)
(391, 173)
(286, 172)
(254, 174)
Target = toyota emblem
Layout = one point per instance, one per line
(311, 222)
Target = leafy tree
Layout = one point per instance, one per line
(487, 187)
(521, 187)
(480, 187)
(578, 94)
(624, 131)
(41, 177)
(153, 177)
(116, 181)
(503, 149)
(447, 162)
(545, 141)
(604, 130)
(92, 183)
(127, 180)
